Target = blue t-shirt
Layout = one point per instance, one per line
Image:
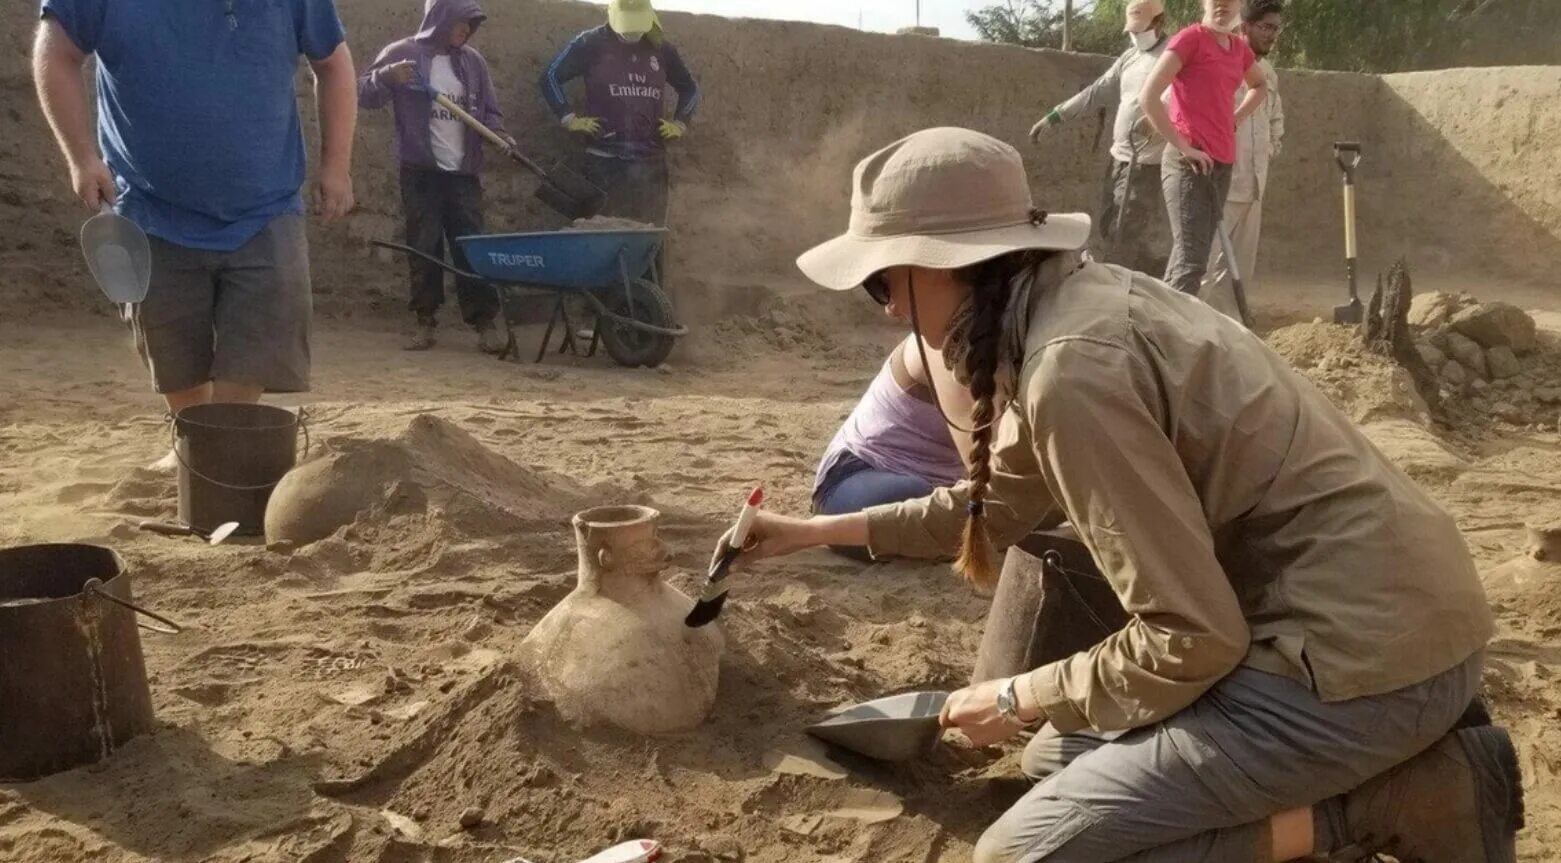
(197, 112)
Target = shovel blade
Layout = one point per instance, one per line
(1350, 313)
(571, 194)
(222, 532)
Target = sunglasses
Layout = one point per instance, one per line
(877, 287)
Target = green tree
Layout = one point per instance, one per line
(1351, 35)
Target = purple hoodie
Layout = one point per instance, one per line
(413, 105)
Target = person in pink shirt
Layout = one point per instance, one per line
(1202, 68)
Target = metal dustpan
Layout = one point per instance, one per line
(897, 728)
(118, 255)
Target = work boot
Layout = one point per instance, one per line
(489, 341)
(422, 337)
(1461, 800)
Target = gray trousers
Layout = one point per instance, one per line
(1134, 201)
(1201, 785)
(1195, 203)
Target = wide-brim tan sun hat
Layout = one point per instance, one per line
(941, 198)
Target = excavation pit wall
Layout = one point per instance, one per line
(1459, 172)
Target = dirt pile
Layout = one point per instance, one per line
(1491, 362)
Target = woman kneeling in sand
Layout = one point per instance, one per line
(1305, 625)
(895, 445)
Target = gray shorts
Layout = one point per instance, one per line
(240, 316)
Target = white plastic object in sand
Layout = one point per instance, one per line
(118, 255)
(637, 851)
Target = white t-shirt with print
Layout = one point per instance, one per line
(446, 134)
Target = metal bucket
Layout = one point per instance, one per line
(72, 679)
(231, 456)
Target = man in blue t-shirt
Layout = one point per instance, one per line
(201, 146)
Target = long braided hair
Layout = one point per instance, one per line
(991, 287)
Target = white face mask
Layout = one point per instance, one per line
(631, 38)
(1145, 40)
(1228, 26)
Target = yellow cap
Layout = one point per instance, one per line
(631, 16)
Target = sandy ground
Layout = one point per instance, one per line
(348, 702)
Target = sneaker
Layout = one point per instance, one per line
(490, 341)
(1461, 800)
(422, 338)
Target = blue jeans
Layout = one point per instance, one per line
(867, 487)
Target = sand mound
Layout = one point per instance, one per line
(433, 464)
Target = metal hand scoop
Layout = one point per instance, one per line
(168, 528)
(897, 728)
(118, 255)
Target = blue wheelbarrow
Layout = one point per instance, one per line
(613, 272)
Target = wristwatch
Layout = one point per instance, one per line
(1008, 701)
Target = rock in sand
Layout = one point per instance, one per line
(1502, 362)
(1494, 324)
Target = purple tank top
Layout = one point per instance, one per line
(892, 430)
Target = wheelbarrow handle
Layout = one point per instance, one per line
(385, 244)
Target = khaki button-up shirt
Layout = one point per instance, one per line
(1239, 516)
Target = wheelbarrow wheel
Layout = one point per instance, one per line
(630, 346)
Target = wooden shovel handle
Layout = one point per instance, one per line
(491, 136)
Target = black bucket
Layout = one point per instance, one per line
(230, 458)
(72, 680)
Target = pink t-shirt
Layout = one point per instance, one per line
(1203, 96)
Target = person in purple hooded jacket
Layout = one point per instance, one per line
(440, 157)
(627, 64)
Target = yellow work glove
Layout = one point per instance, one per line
(590, 126)
(671, 130)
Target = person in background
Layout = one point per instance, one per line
(1202, 67)
(441, 159)
(1135, 208)
(1304, 627)
(895, 444)
(1258, 140)
(627, 64)
(197, 118)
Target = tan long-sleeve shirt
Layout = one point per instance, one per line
(1240, 517)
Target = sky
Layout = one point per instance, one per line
(881, 15)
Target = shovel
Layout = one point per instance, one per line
(168, 528)
(1347, 154)
(563, 190)
(119, 257)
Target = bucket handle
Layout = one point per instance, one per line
(173, 425)
(94, 587)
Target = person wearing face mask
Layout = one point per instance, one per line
(1258, 140)
(1202, 68)
(441, 193)
(1305, 628)
(627, 65)
(1128, 219)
